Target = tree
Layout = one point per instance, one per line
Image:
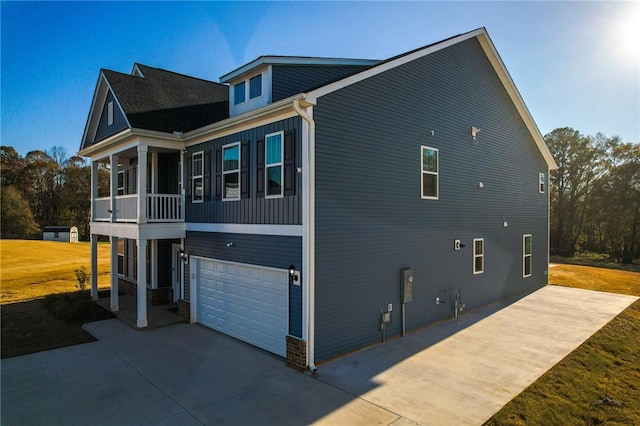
(13, 169)
(42, 193)
(76, 193)
(580, 162)
(16, 218)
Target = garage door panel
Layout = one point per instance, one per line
(248, 302)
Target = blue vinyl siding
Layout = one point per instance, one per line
(252, 210)
(287, 80)
(119, 121)
(371, 221)
(263, 250)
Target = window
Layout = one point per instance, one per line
(110, 113)
(56, 234)
(239, 93)
(231, 172)
(197, 181)
(121, 182)
(273, 164)
(429, 183)
(478, 255)
(255, 86)
(541, 183)
(121, 256)
(526, 255)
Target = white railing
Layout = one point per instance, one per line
(165, 208)
(160, 208)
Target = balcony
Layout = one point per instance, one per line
(159, 208)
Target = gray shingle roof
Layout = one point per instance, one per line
(167, 101)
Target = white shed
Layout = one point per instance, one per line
(68, 234)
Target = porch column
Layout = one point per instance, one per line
(153, 246)
(114, 274)
(142, 284)
(94, 188)
(113, 160)
(94, 266)
(142, 184)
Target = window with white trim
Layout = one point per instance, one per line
(122, 181)
(231, 171)
(197, 180)
(478, 255)
(526, 255)
(121, 258)
(110, 113)
(274, 169)
(239, 95)
(429, 159)
(541, 183)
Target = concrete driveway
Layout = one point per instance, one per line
(449, 373)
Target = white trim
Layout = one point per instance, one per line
(224, 172)
(423, 171)
(524, 255)
(134, 231)
(241, 228)
(293, 60)
(279, 164)
(194, 176)
(476, 255)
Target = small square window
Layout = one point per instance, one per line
(541, 183)
(429, 171)
(239, 95)
(255, 86)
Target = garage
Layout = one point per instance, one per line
(248, 302)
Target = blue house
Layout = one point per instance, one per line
(310, 206)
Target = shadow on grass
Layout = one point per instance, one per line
(50, 323)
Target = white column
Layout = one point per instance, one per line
(142, 284)
(142, 184)
(94, 188)
(113, 159)
(94, 266)
(114, 274)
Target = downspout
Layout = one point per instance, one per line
(308, 226)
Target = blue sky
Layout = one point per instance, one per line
(575, 64)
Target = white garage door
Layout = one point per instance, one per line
(245, 301)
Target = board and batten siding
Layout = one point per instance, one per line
(252, 210)
(371, 221)
(288, 80)
(263, 250)
(119, 120)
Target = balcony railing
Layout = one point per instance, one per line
(160, 208)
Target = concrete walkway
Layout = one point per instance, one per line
(185, 374)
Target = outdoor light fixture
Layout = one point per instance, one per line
(294, 275)
(184, 256)
(474, 132)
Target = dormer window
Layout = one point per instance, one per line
(239, 93)
(255, 86)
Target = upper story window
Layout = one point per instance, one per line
(274, 165)
(429, 171)
(231, 171)
(255, 86)
(239, 95)
(526, 255)
(541, 182)
(121, 182)
(478, 255)
(110, 113)
(197, 180)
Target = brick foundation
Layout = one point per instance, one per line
(296, 353)
(184, 309)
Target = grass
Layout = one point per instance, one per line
(599, 382)
(41, 308)
(34, 269)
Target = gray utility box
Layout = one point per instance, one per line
(406, 282)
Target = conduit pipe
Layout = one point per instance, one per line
(308, 226)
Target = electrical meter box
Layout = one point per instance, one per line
(406, 283)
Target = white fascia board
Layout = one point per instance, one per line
(494, 57)
(267, 114)
(293, 60)
(134, 231)
(131, 138)
(240, 228)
